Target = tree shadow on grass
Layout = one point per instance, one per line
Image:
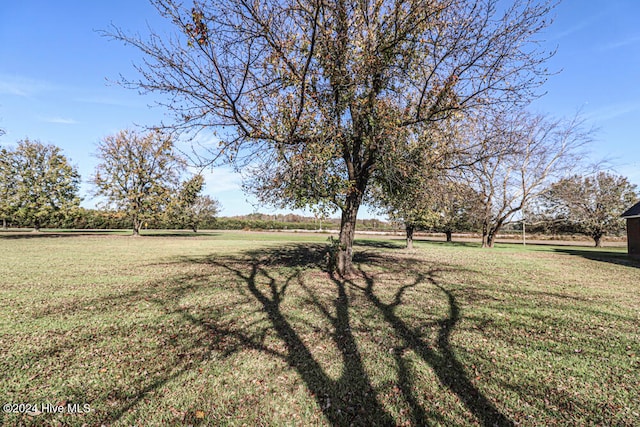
(454, 243)
(264, 279)
(450, 371)
(20, 235)
(351, 399)
(348, 400)
(619, 258)
(380, 244)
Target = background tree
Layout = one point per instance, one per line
(313, 92)
(423, 188)
(404, 186)
(138, 173)
(46, 185)
(591, 205)
(179, 212)
(8, 182)
(189, 208)
(456, 207)
(530, 150)
(437, 204)
(203, 211)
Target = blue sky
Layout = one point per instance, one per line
(56, 75)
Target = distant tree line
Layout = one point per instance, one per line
(141, 178)
(99, 219)
(143, 183)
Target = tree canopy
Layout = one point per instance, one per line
(203, 210)
(315, 95)
(458, 207)
(45, 185)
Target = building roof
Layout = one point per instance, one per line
(632, 212)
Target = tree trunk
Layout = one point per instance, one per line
(448, 233)
(485, 234)
(4, 223)
(136, 226)
(490, 239)
(491, 232)
(36, 226)
(344, 256)
(598, 240)
(409, 229)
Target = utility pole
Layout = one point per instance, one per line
(524, 229)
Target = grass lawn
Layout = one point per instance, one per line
(250, 329)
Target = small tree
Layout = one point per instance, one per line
(189, 208)
(456, 206)
(591, 205)
(46, 185)
(404, 187)
(203, 211)
(137, 174)
(438, 204)
(180, 212)
(420, 184)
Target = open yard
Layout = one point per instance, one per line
(251, 329)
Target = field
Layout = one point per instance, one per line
(242, 328)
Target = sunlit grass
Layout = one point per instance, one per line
(250, 329)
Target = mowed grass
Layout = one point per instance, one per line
(251, 329)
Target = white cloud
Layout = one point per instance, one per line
(60, 120)
(23, 86)
(620, 43)
(103, 100)
(613, 111)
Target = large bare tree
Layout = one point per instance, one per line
(312, 93)
(529, 152)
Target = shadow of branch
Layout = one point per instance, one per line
(348, 400)
(443, 360)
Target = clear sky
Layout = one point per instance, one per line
(56, 74)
